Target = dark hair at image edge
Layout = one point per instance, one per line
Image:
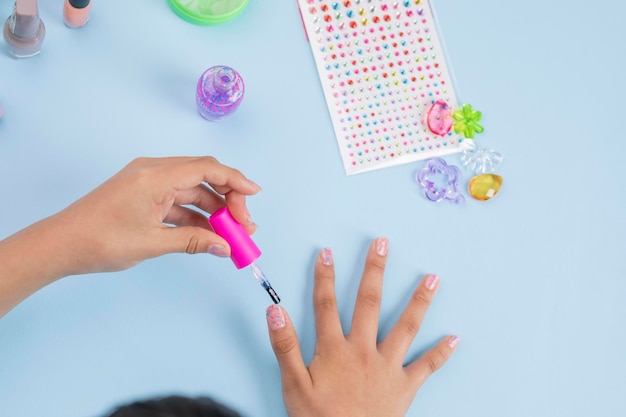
(174, 406)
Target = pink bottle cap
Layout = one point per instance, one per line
(243, 251)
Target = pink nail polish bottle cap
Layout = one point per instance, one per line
(243, 251)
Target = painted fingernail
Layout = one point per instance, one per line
(327, 256)
(382, 246)
(431, 281)
(453, 341)
(275, 317)
(218, 250)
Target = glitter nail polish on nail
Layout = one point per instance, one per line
(327, 257)
(431, 281)
(218, 250)
(275, 317)
(382, 246)
(453, 341)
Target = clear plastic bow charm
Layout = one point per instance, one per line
(480, 160)
(440, 181)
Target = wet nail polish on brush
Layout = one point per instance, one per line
(76, 13)
(24, 31)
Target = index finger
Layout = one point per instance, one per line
(367, 308)
(294, 374)
(236, 203)
(188, 172)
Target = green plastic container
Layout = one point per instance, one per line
(207, 12)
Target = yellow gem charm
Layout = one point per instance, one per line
(483, 187)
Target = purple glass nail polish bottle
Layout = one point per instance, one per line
(219, 92)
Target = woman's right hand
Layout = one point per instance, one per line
(153, 206)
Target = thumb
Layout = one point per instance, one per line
(192, 240)
(286, 347)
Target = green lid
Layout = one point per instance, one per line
(207, 12)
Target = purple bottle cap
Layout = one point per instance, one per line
(243, 251)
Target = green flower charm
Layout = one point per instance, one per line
(466, 121)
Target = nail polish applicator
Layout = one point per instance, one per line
(244, 252)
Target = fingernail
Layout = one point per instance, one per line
(249, 221)
(431, 281)
(382, 246)
(254, 184)
(275, 317)
(327, 256)
(218, 250)
(453, 341)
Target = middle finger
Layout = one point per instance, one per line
(367, 309)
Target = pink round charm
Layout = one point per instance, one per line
(439, 118)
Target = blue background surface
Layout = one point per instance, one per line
(533, 281)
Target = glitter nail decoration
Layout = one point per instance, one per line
(383, 70)
(275, 317)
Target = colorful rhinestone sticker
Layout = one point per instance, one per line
(382, 68)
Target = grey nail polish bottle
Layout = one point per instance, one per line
(24, 31)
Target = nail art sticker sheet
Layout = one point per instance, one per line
(382, 66)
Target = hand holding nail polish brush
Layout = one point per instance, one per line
(243, 249)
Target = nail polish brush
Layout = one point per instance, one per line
(244, 252)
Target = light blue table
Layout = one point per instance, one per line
(534, 280)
